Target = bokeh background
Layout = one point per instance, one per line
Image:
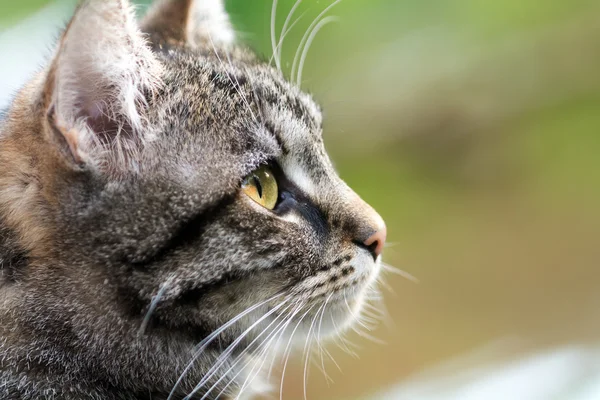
(473, 127)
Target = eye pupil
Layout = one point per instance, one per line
(259, 188)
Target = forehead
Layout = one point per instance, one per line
(234, 104)
(236, 82)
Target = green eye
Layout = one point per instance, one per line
(261, 186)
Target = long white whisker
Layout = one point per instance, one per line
(283, 36)
(154, 304)
(340, 340)
(223, 356)
(385, 315)
(282, 331)
(332, 359)
(361, 320)
(320, 346)
(386, 286)
(370, 337)
(207, 340)
(356, 317)
(243, 353)
(273, 37)
(309, 42)
(284, 32)
(307, 345)
(288, 351)
(398, 271)
(307, 33)
(328, 378)
(263, 354)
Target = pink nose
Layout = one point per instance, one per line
(376, 241)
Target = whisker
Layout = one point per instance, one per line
(387, 286)
(387, 319)
(283, 36)
(340, 341)
(223, 356)
(207, 340)
(288, 351)
(309, 42)
(282, 331)
(398, 271)
(284, 32)
(320, 346)
(263, 351)
(239, 358)
(356, 317)
(370, 337)
(273, 36)
(307, 345)
(322, 349)
(328, 378)
(332, 359)
(346, 342)
(361, 319)
(372, 307)
(262, 354)
(154, 304)
(307, 33)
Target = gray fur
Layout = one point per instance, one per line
(175, 219)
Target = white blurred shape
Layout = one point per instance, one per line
(569, 373)
(25, 47)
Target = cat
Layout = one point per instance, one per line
(169, 217)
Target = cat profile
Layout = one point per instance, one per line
(169, 217)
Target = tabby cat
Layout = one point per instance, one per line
(169, 218)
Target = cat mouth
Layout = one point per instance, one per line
(337, 304)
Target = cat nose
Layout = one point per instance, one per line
(370, 232)
(376, 242)
(365, 226)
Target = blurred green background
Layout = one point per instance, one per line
(473, 127)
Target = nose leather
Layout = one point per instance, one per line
(376, 241)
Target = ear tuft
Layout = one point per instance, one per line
(101, 76)
(196, 23)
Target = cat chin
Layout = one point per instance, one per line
(337, 310)
(343, 311)
(342, 315)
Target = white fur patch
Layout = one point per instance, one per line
(210, 20)
(292, 217)
(296, 174)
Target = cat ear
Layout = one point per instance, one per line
(193, 22)
(99, 81)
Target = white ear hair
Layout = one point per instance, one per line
(194, 22)
(208, 19)
(102, 73)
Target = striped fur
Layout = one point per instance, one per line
(120, 172)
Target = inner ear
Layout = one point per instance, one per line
(99, 83)
(63, 137)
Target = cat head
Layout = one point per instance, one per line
(184, 182)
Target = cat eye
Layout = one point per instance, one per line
(261, 186)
